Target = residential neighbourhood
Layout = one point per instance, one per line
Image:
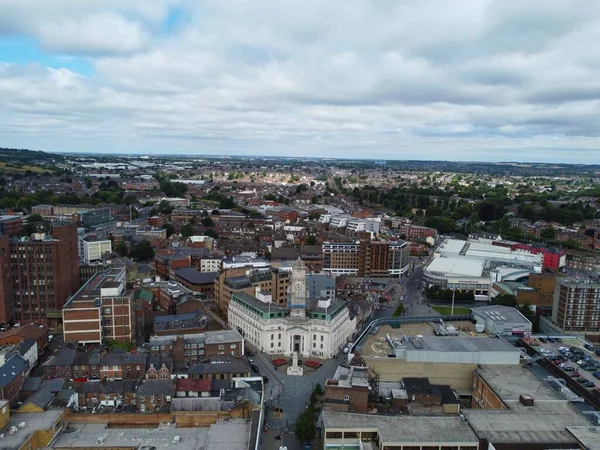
(298, 309)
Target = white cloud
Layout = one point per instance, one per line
(475, 79)
(99, 34)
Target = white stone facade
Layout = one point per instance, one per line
(318, 331)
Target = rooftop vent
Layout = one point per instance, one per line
(526, 400)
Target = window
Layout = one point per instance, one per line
(346, 398)
(232, 346)
(321, 338)
(107, 311)
(138, 368)
(221, 347)
(105, 368)
(272, 336)
(272, 344)
(115, 367)
(142, 399)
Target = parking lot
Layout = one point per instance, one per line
(582, 364)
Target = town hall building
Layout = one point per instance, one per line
(317, 327)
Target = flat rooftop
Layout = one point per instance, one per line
(456, 267)
(587, 436)
(33, 421)
(500, 314)
(544, 422)
(233, 435)
(509, 382)
(405, 429)
(377, 345)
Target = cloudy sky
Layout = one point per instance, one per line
(490, 80)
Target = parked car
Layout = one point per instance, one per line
(542, 339)
(589, 347)
(597, 351)
(265, 379)
(249, 353)
(588, 384)
(568, 369)
(559, 340)
(254, 368)
(551, 339)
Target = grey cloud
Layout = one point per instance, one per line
(474, 79)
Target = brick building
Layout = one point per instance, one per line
(196, 281)
(348, 390)
(101, 309)
(10, 225)
(411, 231)
(243, 279)
(154, 395)
(576, 307)
(7, 305)
(16, 336)
(45, 272)
(366, 257)
(12, 375)
(122, 366)
(196, 347)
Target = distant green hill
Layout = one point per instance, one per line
(20, 155)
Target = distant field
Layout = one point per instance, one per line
(22, 168)
(446, 310)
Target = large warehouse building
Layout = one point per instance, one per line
(472, 266)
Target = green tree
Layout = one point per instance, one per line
(527, 311)
(187, 230)
(121, 248)
(169, 228)
(504, 300)
(142, 251)
(318, 389)
(211, 232)
(548, 233)
(311, 239)
(305, 425)
(399, 310)
(208, 222)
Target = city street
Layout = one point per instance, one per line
(415, 303)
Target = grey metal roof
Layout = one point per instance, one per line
(223, 336)
(500, 314)
(404, 429)
(53, 385)
(32, 384)
(64, 357)
(156, 387)
(11, 369)
(194, 276)
(40, 398)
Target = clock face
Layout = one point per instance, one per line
(298, 287)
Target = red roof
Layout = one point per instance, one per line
(187, 384)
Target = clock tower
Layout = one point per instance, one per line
(297, 301)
